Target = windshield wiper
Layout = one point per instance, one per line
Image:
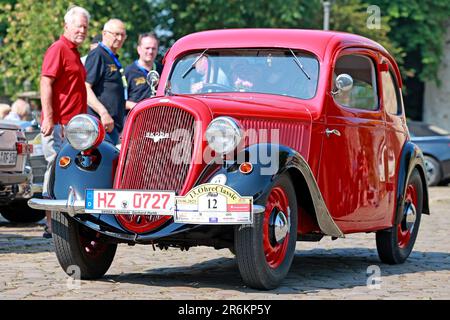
(193, 64)
(299, 64)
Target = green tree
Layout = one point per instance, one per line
(419, 28)
(352, 16)
(184, 17)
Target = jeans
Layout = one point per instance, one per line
(113, 136)
(51, 145)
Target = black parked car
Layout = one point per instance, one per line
(435, 145)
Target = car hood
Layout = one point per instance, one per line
(264, 106)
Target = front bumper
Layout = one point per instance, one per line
(73, 206)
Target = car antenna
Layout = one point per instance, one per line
(193, 64)
(297, 61)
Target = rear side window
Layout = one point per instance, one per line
(363, 94)
(390, 94)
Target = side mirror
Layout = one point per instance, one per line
(344, 83)
(153, 80)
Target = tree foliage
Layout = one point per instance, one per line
(184, 17)
(419, 26)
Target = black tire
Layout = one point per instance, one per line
(20, 212)
(391, 246)
(255, 269)
(70, 238)
(433, 169)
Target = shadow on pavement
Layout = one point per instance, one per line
(311, 271)
(11, 240)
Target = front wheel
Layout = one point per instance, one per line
(395, 244)
(265, 250)
(79, 247)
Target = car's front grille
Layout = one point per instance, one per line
(158, 157)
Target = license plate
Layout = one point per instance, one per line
(214, 204)
(8, 158)
(130, 202)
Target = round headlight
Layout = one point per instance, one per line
(223, 135)
(84, 132)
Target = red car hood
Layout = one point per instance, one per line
(257, 106)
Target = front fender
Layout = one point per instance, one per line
(270, 161)
(93, 171)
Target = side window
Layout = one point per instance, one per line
(363, 94)
(390, 93)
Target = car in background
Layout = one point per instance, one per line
(435, 145)
(16, 177)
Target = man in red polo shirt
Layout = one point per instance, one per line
(63, 92)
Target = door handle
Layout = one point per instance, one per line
(328, 132)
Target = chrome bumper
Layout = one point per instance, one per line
(73, 206)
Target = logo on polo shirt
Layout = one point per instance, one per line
(112, 67)
(139, 81)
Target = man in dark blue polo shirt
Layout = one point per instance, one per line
(105, 82)
(136, 73)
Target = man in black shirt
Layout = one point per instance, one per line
(105, 82)
(136, 73)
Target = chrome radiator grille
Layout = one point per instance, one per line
(160, 149)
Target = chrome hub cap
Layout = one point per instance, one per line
(410, 216)
(281, 227)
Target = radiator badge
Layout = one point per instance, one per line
(157, 136)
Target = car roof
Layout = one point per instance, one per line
(315, 41)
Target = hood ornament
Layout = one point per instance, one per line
(157, 136)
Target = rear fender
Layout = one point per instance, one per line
(410, 159)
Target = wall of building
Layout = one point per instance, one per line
(436, 108)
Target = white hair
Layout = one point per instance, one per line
(73, 11)
(21, 107)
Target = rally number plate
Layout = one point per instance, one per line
(214, 204)
(130, 202)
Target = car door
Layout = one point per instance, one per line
(352, 171)
(396, 129)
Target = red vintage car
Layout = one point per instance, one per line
(256, 139)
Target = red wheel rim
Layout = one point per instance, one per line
(141, 223)
(403, 233)
(92, 247)
(275, 252)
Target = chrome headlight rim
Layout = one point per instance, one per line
(96, 126)
(235, 127)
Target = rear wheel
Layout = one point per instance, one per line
(19, 211)
(395, 245)
(76, 245)
(265, 250)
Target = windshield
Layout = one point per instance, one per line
(273, 71)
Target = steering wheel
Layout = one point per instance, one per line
(215, 87)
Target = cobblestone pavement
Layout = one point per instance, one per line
(321, 270)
